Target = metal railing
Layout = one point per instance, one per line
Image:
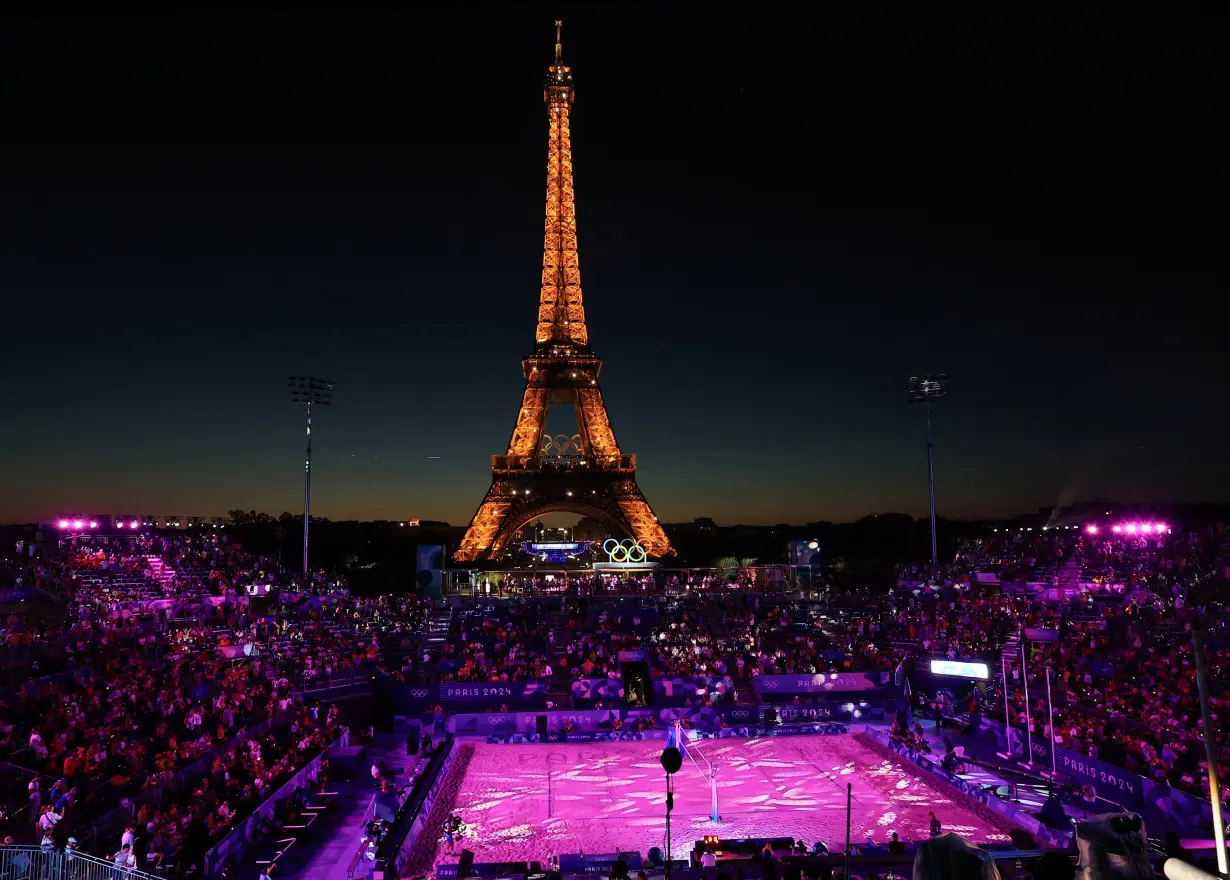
(45, 863)
(326, 684)
(666, 582)
(542, 461)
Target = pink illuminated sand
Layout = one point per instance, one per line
(609, 796)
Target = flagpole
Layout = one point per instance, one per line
(1051, 721)
(1003, 665)
(1029, 733)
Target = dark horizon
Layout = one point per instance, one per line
(780, 220)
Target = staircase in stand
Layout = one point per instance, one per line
(1009, 654)
(745, 693)
(439, 629)
(561, 678)
(1070, 575)
(163, 573)
(1011, 651)
(715, 622)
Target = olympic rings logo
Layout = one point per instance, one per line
(627, 550)
(562, 444)
(418, 693)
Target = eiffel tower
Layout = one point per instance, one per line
(583, 473)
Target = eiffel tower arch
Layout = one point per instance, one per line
(586, 472)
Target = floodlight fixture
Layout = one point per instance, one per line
(926, 389)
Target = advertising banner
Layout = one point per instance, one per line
(811, 712)
(429, 568)
(408, 699)
(680, 691)
(832, 729)
(1114, 783)
(448, 871)
(493, 693)
(599, 863)
(821, 683)
(588, 691)
(1037, 634)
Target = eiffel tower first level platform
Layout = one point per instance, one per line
(585, 472)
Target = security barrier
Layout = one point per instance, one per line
(36, 863)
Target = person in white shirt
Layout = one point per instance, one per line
(130, 837)
(708, 859)
(126, 858)
(47, 821)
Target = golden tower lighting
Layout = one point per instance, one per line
(586, 473)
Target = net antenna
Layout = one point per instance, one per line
(708, 772)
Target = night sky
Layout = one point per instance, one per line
(781, 219)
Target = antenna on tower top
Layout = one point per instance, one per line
(559, 46)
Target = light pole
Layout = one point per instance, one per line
(313, 391)
(926, 390)
(672, 761)
(1210, 751)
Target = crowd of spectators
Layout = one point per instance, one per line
(183, 696)
(509, 646)
(1124, 691)
(176, 724)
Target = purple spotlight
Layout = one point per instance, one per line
(63, 523)
(1091, 529)
(93, 524)
(77, 524)
(1117, 529)
(133, 524)
(1131, 528)
(1161, 528)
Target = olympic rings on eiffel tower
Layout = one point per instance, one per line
(627, 550)
(561, 444)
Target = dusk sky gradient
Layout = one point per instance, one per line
(781, 218)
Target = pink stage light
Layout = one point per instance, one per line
(77, 524)
(93, 524)
(1131, 528)
(63, 523)
(1093, 530)
(1161, 528)
(1117, 529)
(133, 524)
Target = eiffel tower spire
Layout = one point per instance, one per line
(586, 473)
(561, 310)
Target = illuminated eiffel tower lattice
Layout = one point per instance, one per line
(584, 473)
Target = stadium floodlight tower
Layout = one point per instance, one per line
(926, 390)
(312, 391)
